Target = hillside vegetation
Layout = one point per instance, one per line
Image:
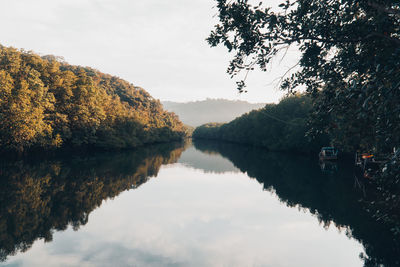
(216, 110)
(46, 103)
(279, 127)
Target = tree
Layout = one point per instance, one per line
(349, 63)
(23, 105)
(47, 103)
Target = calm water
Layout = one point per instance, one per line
(205, 204)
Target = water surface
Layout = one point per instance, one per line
(183, 205)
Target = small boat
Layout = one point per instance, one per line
(328, 153)
(369, 164)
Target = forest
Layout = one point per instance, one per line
(277, 127)
(45, 103)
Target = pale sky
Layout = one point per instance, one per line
(156, 44)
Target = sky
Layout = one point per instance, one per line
(155, 44)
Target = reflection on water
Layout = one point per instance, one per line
(201, 211)
(38, 197)
(328, 166)
(334, 198)
(208, 161)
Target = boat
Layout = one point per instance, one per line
(369, 164)
(328, 153)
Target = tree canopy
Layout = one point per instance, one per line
(47, 103)
(349, 62)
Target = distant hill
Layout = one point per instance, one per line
(210, 110)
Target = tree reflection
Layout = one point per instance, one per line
(40, 196)
(337, 198)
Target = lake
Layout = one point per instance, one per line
(191, 204)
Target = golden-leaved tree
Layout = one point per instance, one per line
(46, 103)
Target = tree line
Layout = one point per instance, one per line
(278, 127)
(45, 103)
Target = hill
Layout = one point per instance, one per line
(45, 103)
(209, 110)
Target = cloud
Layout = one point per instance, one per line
(157, 44)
